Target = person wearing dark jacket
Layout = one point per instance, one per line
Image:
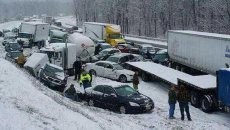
(148, 55)
(77, 68)
(172, 101)
(71, 93)
(97, 49)
(183, 99)
(135, 81)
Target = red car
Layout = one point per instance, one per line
(126, 48)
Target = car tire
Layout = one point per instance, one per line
(123, 79)
(91, 102)
(122, 109)
(93, 72)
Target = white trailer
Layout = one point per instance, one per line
(35, 62)
(95, 31)
(206, 52)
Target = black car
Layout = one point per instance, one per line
(53, 76)
(12, 55)
(13, 46)
(121, 98)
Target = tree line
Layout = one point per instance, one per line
(154, 17)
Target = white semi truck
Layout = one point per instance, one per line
(36, 31)
(65, 54)
(191, 50)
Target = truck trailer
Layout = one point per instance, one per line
(192, 50)
(35, 31)
(111, 33)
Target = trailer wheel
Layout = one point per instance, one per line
(195, 99)
(144, 77)
(207, 103)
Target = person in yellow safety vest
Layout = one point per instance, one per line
(21, 60)
(85, 80)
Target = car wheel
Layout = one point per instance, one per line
(122, 109)
(123, 79)
(93, 72)
(91, 102)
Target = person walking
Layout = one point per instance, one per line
(77, 68)
(172, 101)
(85, 80)
(135, 81)
(183, 99)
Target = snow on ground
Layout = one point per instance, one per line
(25, 103)
(9, 25)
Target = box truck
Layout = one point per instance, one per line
(205, 52)
(35, 31)
(111, 33)
(35, 62)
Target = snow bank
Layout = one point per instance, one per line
(22, 106)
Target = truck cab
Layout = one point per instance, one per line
(24, 37)
(113, 35)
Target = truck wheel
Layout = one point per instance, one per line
(144, 77)
(207, 103)
(195, 99)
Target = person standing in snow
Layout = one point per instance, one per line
(135, 81)
(77, 68)
(85, 80)
(21, 60)
(97, 49)
(172, 101)
(183, 99)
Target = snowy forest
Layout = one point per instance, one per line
(154, 17)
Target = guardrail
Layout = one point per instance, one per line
(156, 42)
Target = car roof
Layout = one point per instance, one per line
(108, 62)
(109, 49)
(120, 55)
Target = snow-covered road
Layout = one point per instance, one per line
(25, 103)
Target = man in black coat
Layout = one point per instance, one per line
(77, 68)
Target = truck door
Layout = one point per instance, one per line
(57, 59)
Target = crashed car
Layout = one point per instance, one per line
(12, 56)
(13, 46)
(53, 76)
(121, 98)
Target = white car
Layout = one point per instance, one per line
(110, 70)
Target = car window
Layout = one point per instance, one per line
(121, 47)
(109, 66)
(108, 90)
(131, 57)
(99, 88)
(124, 59)
(100, 64)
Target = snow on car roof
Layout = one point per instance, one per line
(104, 43)
(146, 45)
(33, 60)
(35, 23)
(55, 66)
(107, 62)
(109, 49)
(120, 55)
(162, 51)
(55, 46)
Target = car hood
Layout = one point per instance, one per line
(124, 71)
(138, 98)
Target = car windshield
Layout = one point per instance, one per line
(53, 69)
(117, 67)
(159, 57)
(105, 46)
(103, 53)
(113, 59)
(115, 36)
(24, 35)
(125, 90)
(15, 54)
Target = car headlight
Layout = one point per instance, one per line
(45, 76)
(134, 104)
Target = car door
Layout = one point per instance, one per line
(97, 95)
(110, 98)
(109, 71)
(99, 68)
